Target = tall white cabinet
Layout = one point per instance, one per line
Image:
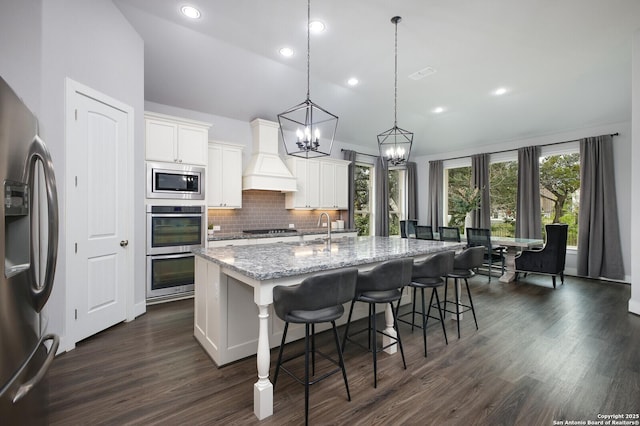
(175, 140)
(224, 176)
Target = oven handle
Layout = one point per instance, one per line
(170, 256)
(198, 215)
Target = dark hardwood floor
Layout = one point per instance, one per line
(540, 355)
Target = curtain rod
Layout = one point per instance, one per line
(359, 153)
(515, 149)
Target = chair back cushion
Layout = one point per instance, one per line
(449, 233)
(469, 258)
(424, 232)
(316, 292)
(479, 237)
(392, 274)
(434, 266)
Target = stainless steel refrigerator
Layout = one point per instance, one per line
(28, 252)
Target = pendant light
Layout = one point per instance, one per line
(307, 129)
(395, 143)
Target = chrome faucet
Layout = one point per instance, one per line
(328, 225)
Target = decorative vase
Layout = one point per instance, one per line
(468, 222)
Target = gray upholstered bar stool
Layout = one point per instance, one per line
(428, 274)
(382, 284)
(464, 265)
(317, 299)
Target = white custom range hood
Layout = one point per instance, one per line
(266, 170)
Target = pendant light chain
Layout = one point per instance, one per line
(308, 46)
(395, 87)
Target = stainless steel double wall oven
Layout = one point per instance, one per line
(172, 232)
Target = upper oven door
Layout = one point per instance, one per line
(173, 181)
(174, 229)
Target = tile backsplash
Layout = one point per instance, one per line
(266, 210)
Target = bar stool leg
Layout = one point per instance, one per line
(457, 302)
(341, 359)
(473, 311)
(346, 330)
(425, 318)
(284, 336)
(435, 291)
(413, 314)
(399, 340)
(313, 349)
(306, 374)
(372, 324)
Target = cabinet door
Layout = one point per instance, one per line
(161, 138)
(214, 177)
(192, 145)
(313, 183)
(327, 185)
(342, 186)
(307, 174)
(231, 177)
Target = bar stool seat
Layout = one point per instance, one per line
(428, 274)
(317, 299)
(382, 284)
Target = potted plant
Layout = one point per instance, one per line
(210, 230)
(463, 202)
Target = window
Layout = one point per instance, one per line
(503, 187)
(560, 191)
(362, 202)
(457, 181)
(396, 200)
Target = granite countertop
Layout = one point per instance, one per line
(221, 236)
(278, 260)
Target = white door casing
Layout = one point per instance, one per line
(99, 215)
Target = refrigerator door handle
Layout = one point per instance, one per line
(27, 386)
(39, 151)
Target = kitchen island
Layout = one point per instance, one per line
(234, 286)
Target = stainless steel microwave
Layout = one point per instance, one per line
(175, 181)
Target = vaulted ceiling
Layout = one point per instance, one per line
(565, 64)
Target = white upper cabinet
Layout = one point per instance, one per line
(307, 174)
(224, 181)
(334, 184)
(322, 184)
(175, 140)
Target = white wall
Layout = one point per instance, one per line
(634, 302)
(19, 66)
(91, 43)
(622, 163)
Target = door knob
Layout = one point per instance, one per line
(124, 243)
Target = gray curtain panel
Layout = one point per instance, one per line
(481, 218)
(382, 198)
(351, 176)
(412, 191)
(436, 200)
(528, 213)
(599, 248)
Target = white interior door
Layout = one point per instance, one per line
(98, 210)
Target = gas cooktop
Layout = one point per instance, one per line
(268, 231)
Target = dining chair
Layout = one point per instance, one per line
(494, 254)
(424, 232)
(551, 258)
(449, 233)
(408, 228)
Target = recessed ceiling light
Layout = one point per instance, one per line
(500, 91)
(438, 110)
(286, 52)
(190, 12)
(352, 81)
(316, 26)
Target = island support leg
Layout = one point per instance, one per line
(388, 317)
(263, 389)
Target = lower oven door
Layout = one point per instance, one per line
(170, 275)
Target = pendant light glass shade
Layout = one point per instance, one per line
(395, 143)
(307, 129)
